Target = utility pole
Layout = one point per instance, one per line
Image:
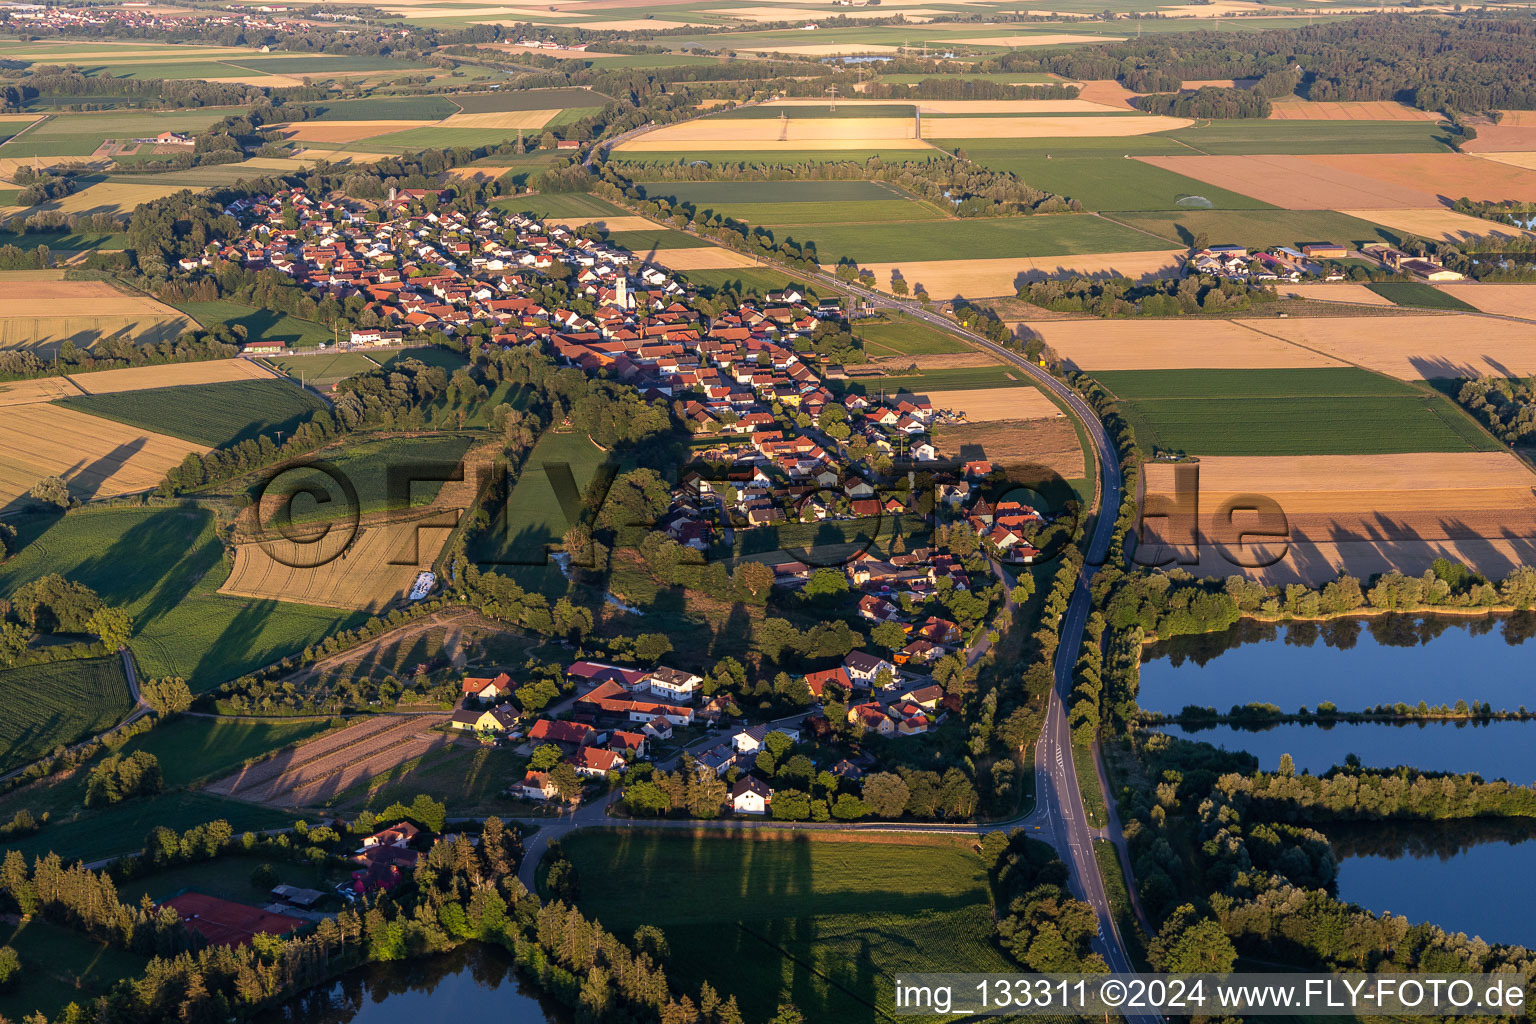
(833, 91)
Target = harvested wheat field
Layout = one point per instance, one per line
(99, 458)
(338, 156)
(1523, 159)
(1106, 92)
(315, 771)
(31, 392)
(500, 119)
(1418, 348)
(1048, 127)
(768, 132)
(138, 378)
(1043, 39)
(1504, 299)
(1436, 223)
(820, 50)
(343, 131)
(366, 572)
(983, 404)
(1296, 182)
(477, 173)
(108, 197)
(918, 15)
(607, 223)
(702, 258)
(1448, 175)
(1498, 138)
(897, 365)
(1362, 514)
(1002, 276)
(1354, 110)
(1342, 291)
(41, 314)
(1052, 443)
(1174, 345)
(1077, 106)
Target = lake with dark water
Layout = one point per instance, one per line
(1467, 877)
(473, 984)
(1358, 664)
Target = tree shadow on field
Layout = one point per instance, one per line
(162, 557)
(237, 642)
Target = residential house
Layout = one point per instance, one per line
(753, 738)
(535, 786)
(864, 668)
(872, 718)
(488, 687)
(596, 763)
(675, 684)
(498, 720)
(750, 795)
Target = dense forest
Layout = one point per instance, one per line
(1468, 63)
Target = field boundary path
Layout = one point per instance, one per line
(140, 709)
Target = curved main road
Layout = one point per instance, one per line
(1058, 795)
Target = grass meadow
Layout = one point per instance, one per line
(962, 378)
(260, 324)
(561, 204)
(824, 923)
(1315, 411)
(723, 195)
(122, 828)
(164, 567)
(1100, 181)
(903, 336)
(216, 415)
(533, 517)
(368, 467)
(194, 749)
(324, 369)
(60, 966)
(979, 238)
(59, 702)
(1418, 294)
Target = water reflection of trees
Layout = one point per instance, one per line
(478, 980)
(1341, 634)
(1441, 839)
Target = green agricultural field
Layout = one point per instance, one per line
(1001, 77)
(977, 238)
(193, 749)
(324, 369)
(1415, 293)
(1114, 146)
(723, 195)
(1256, 229)
(534, 517)
(561, 204)
(811, 111)
(1103, 181)
(212, 414)
(164, 567)
(433, 137)
(367, 465)
(122, 828)
(745, 157)
(1322, 411)
(60, 966)
(787, 918)
(60, 702)
(319, 64)
(469, 779)
(655, 238)
(963, 378)
(530, 99)
(779, 216)
(260, 324)
(390, 108)
(904, 336)
(1242, 137)
(199, 177)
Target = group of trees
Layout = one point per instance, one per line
(119, 777)
(1039, 925)
(1505, 405)
(1208, 101)
(1118, 296)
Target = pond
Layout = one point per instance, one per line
(1494, 750)
(1455, 876)
(1355, 663)
(474, 983)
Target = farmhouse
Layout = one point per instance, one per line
(674, 683)
(569, 736)
(263, 348)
